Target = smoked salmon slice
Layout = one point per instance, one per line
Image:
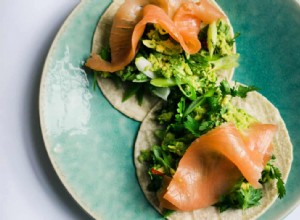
(120, 41)
(133, 16)
(188, 19)
(155, 15)
(214, 163)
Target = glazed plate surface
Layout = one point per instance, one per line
(90, 144)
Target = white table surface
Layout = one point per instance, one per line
(29, 187)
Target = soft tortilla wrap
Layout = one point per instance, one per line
(114, 94)
(259, 107)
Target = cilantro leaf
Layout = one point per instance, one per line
(242, 196)
(250, 196)
(238, 90)
(241, 91)
(225, 87)
(192, 125)
(271, 172)
(280, 188)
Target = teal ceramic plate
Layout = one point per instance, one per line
(90, 144)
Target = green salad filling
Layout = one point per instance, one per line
(161, 64)
(196, 101)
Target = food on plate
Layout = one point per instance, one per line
(207, 147)
(200, 169)
(137, 40)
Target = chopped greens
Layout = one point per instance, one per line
(161, 62)
(242, 196)
(270, 173)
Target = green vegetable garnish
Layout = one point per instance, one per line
(242, 196)
(270, 173)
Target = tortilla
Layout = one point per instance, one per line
(114, 94)
(259, 107)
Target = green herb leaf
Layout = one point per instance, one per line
(242, 196)
(225, 87)
(131, 90)
(214, 103)
(238, 90)
(241, 91)
(192, 125)
(163, 158)
(188, 90)
(271, 172)
(198, 101)
(280, 188)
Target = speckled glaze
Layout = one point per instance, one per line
(90, 144)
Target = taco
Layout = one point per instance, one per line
(122, 65)
(260, 110)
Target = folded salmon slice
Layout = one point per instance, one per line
(121, 46)
(133, 16)
(214, 163)
(155, 15)
(188, 19)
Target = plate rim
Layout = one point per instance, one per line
(41, 96)
(42, 123)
